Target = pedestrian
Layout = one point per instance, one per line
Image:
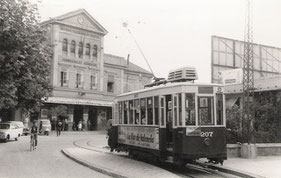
(110, 138)
(59, 126)
(34, 133)
(80, 125)
(74, 126)
(89, 124)
(63, 125)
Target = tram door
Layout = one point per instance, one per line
(169, 121)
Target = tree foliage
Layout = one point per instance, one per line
(24, 56)
(267, 122)
(57, 111)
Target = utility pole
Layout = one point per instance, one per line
(248, 76)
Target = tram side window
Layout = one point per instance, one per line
(189, 109)
(219, 105)
(126, 112)
(205, 111)
(162, 111)
(175, 110)
(180, 109)
(143, 111)
(149, 111)
(131, 112)
(156, 110)
(137, 111)
(120, 110)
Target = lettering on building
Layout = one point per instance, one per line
(79, 32)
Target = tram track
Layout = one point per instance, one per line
(191, 170)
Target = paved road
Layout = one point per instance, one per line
(47, 161)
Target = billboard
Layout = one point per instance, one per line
(146, 137)
(232, 76)
(228, 54)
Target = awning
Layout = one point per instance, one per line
(94, 102)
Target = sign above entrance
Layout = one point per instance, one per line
(62, 100)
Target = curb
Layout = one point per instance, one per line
(231, 171)
(94, 167)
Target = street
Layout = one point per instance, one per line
(47, 160)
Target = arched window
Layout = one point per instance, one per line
(95, 50)
(64, 44)
(80, 50)
(88, 49)
(73, 46)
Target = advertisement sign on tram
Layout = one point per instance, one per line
(146, 137)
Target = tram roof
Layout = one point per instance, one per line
(168, 85)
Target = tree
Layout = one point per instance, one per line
(24, 57)
(58, 111)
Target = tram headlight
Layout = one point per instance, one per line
(207, 141)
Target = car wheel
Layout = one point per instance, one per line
(7, 138)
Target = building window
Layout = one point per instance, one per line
(80, 50)
(63, 78)
(88, 49)
(93, 82)
(64, 45)
(79, 83)
(95, 50)
(110, 83)
(110, 87)
(73, 47)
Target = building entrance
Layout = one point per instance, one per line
(92, 118)
(77, 116)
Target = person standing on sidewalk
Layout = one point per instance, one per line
(59, 125)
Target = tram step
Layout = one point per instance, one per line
(170, 149)
(169, 159)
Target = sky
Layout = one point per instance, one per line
(173, 33)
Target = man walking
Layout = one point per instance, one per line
(59, 125)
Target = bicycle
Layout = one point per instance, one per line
(32, 142)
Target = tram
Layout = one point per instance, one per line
(174, 120)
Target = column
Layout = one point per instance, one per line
(70, 117)
(85, 117)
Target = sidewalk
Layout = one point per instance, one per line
(266, 166)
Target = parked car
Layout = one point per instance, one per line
(44, 126)
(19, 124)
(26, 131)
(9, 131)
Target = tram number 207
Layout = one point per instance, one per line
(206, 134)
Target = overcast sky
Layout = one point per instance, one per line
(173, 33)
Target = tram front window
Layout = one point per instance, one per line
(205, 111)
(190, 109)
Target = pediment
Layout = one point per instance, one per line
(81, 19)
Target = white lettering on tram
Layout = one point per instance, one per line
(207, 134)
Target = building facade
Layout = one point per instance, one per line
(84, 79)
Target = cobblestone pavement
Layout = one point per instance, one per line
(47, 161)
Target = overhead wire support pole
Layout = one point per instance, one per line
(248, 76)
(141, 52)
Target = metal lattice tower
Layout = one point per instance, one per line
(248, 74)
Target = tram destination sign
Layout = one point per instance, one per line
(146, 137)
